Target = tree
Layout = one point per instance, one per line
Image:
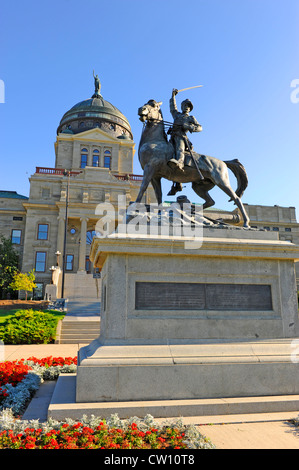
(9, 261)
(23, 281)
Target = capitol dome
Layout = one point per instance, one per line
(95, 112)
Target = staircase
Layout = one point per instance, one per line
(79, 330)
(82, 287)
(82, 321)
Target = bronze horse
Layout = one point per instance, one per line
(155, 151)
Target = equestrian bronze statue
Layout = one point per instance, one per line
(176, 161)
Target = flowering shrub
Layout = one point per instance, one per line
(97, 433)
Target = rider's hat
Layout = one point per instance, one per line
(187, 102)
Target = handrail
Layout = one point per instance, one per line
(54, 171)
(129, 177)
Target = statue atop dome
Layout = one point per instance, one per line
(97, 86)
(95, 112)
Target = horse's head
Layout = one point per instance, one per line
(150, 111)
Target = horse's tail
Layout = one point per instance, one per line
(240, 173)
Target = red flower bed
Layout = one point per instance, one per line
(78, 436)
(13, 372)
(53, 361)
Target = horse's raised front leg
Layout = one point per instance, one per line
(148, 173)
(201, 189)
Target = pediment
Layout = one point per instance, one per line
(96, 134)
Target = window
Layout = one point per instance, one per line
(42, 232)
(88, 265)
(267, 228)
(107, 159)
(83, 158)
(95, 158)
(89, 236)
(275, 229)
(69, 262)
(16, 236)
(40, 261)
(45, 193)
(38, 291)
(288, 229)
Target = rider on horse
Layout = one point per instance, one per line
(182, 123)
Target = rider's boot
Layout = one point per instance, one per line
(175, 188)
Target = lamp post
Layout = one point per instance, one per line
(65, 173)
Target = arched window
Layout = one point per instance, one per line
(84, 154)
(107, 159)
(89, 236)
(95, 158)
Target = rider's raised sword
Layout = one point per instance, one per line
(190, 88)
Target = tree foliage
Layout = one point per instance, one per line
(23, 281)
(9, 260)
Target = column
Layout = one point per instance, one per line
(82, 249)
(60, 235)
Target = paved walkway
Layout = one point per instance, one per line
(81, 308)
(259, 431)
(24, 351)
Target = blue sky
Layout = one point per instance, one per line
(245, 53)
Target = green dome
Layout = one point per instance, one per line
(95, 112)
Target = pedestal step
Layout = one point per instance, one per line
(123, 371)
(63, 405)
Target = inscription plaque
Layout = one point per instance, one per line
(202, 296)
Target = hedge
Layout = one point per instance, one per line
(29, 327)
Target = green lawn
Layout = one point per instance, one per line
(5, 314)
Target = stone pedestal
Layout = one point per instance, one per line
(159, 297)
(180, 322)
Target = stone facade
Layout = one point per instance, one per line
(13, 218)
